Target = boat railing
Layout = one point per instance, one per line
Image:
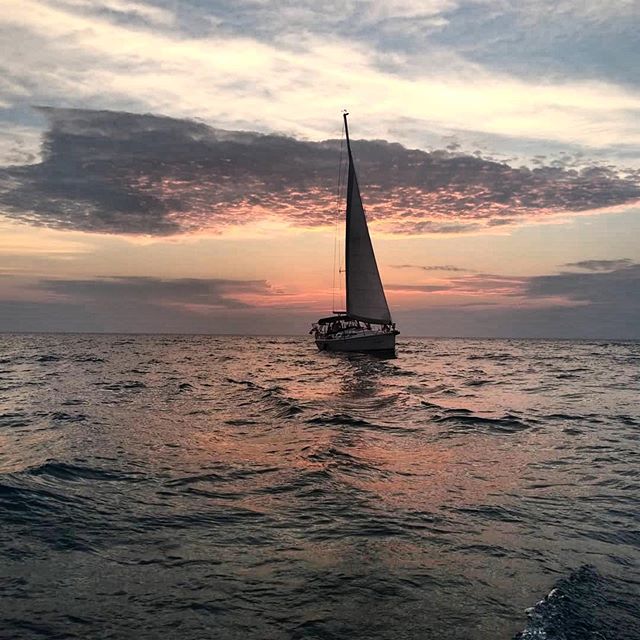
(356, 329)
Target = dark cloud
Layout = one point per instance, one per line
(123, 173)
(16, 315)
(444, 267)
(121, 291)
(618, 289)
(613, 283)
(473, 284)
(600, 265)
(423, 288)
(594, 304)
(496, 321)
(142, 304)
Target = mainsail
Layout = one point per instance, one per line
(365, 296)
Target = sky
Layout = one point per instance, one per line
(173, 166)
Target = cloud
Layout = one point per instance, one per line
(124, 173)
(600, 265)
(548, 38)
(124, 11)
(613, 284)
(445, 267)
(148, 305)
(65, 317)
(291, 66)
(475, 285)
(497, 321)
(421, 288)
(591, 304)
(595, 304)
(617, 287)
(194, 293)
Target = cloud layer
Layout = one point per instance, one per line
(601, 282)
(600, 265)
(603, 301)
(617, 288)
(448, 66)
(587, 304)
(196, 293)
(123, 173)
(431, 267)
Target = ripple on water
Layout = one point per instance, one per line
(251, 488)
(64, 471)
(462, 421)
(14, 420)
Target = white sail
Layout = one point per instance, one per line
(365, 296)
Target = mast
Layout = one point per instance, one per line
(347, 229)
(346, 132)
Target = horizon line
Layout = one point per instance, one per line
(301, 335)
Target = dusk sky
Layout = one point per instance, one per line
(172, 166)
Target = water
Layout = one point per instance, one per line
(227, 487)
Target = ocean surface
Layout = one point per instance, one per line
(230, 487)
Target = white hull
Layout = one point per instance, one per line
(360, 341)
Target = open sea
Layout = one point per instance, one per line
(196, 487)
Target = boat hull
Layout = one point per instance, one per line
(378, 341)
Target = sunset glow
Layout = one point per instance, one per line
(174, 166)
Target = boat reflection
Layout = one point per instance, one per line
(360, 378)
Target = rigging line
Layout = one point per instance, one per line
(336, 248)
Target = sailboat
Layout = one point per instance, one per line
(366, 325)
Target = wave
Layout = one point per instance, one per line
(260, 468)
(498, 357)
(88, 358)
(334, 457)
(61, 416)
(125, 385)
(567, 611)
(271, 400)
(47, 358)
(462, 420)
(14, 420)
(77, 473)
(14, 498)
(281, 406)
(341, 419)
